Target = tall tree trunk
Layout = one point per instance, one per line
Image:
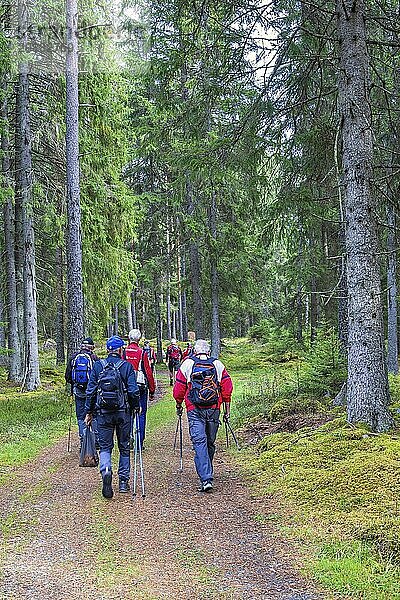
(313, 310)
(215, 323)
(133, 308)
(343, 315)
(179, 275)
(393, 355)
(129, 316)
(185, 326)
(60, 326)
(157, 311)
(195, 271)
(15, 372)
(74, 241)
(3, 341)
(24, 193)
(367, 385)
(116, 320)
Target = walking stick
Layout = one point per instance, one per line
(70, 423)
(180, 443)
(233, 434)
(226, 427)
(138, 454)
(134, 437)
(176, 433)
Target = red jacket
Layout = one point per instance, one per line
(183, 385)
(135, 355)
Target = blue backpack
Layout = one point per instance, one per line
(111, 395)
(204, 391)
(81, 368)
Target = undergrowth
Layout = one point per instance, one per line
(338, 486)
(31, 421)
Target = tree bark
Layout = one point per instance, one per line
(74, 241)
(313, 310)
(185, 326)
(133, 308)
(215, 322)
(157, 310)
(195, 271)
(60, 326)
(393, 355)
(15, 372)
(367, 385)
(24, 193)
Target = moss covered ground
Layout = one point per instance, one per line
(338, 486)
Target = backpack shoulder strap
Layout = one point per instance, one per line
(103, 362)
(119, 364)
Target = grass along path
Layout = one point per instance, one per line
(62, 540)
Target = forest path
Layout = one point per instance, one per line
(62, 540)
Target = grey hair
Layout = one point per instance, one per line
(201, 347)
(134, 335)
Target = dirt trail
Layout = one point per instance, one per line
(62, 540)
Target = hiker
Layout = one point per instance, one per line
(113, 395)
(150, 354)
(77, 374)
(139, 360)
(188, 351)
(173, 357)
(204, 384)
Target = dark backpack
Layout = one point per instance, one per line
(111, 390)
(204, 391)
(82, 366)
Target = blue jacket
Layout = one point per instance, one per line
(128, 377)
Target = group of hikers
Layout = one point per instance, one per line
(111, 398)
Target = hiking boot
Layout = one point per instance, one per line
(123, 486)
(206, 486)
(107, 490)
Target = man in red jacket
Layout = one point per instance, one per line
(204, 384)
(139, 359)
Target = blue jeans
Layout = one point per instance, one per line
(107, 423)
(203, 428)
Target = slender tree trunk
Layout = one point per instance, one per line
(195, 272)
(14, 337)
(74, 241)
(179, 275)
(3, 341)
(215, 323)
(299, 314)
(60, 326)
(116, 320)
(133, 309)
(367, 385)
(185, 326)
(393, 356)
(129, 316)
(313, 310)
(24, 193)
(157, 310)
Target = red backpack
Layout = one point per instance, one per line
(174, 352)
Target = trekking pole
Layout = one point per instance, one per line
(176, 433)
(134, 456)
(140, 457)
(180, 443)
(226, 427)
(70, 424)
(233, 434)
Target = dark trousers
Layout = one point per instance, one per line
(120, 423)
